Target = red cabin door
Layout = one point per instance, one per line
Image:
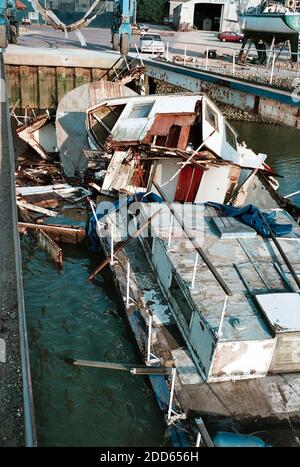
(188, 184)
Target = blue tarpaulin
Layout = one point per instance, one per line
(252, 216)
(91, 223)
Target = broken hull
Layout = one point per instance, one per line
(72, 137)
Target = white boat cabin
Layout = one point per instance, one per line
(153, 137)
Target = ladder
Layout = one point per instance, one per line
(124, 71)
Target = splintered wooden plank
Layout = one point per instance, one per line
(229, 227)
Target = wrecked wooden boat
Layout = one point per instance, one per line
(205, 258)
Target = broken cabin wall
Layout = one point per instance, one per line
(46, 137)
(242, 359)
(214, 185)
(165, 170)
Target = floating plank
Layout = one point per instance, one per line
(50, 247)
(58, 233)
(40, 210)
(133, 368)
(229, 227)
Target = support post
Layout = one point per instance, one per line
(273, 66)
(233, 63)
(198, 440)
(167, 55)
(128, 285)
(171, 230)
(172, 393)
(194, 272)
(149, 340)
(112, 244)
(184, 62)
(202, 429)
(206, 59)
(222, 316)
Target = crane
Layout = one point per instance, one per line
(9, 25)
(123, 16)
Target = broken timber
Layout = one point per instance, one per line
(58, 233)
(133, 368)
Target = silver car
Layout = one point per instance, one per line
(151, 43)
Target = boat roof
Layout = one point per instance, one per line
(247, 265)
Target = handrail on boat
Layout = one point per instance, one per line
(199, 250)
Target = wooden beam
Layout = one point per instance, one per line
(58, 233)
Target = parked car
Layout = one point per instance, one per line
(143, 27)
(26, 21)
(152, 43)
(230, 36)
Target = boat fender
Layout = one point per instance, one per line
(223, 439)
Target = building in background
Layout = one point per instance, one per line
(206, 15)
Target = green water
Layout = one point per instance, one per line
(68, 316)
(282, 145)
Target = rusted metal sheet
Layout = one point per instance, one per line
(281, 113)
(163, 122)
(276, 105)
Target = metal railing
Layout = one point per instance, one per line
(278, 69)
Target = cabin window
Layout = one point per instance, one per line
(181, 300)
(230, 137)
(141, 110)
(212, 117)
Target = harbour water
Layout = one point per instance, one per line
(282, 145)
(70, 317)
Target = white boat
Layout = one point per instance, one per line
(173, 129)
(223, 299)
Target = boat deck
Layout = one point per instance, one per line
(271, 399)
(247, 265)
